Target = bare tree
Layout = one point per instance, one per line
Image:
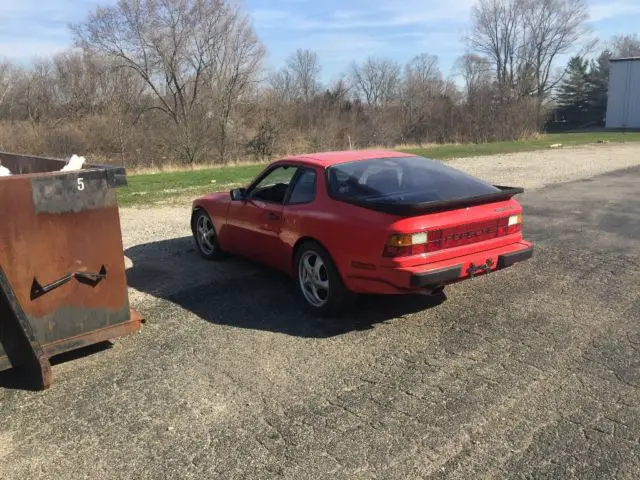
(304, 68)
(80, 82)
(124, 93)
(177, 80)
(423, 76)
(39, 96)
(338, 91)
(496, 33)
(298, 80)
(377, 80)
(552, 28)
(282, 85)
(626, 45)
(523, 38)
(7, 80)
(476, 72)
(174, 45)
(423, 69)
(238, 63)
(421, 92)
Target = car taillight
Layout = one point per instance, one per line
(514, 224)
(401, 245)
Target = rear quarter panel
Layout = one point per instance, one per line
(349, 233)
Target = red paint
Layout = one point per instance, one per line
(356, 236)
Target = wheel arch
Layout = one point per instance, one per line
(301, 241)
(194, 212)
(340, 297)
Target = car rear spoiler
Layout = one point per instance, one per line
(412, 209)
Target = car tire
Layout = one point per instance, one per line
(205, 236)
(320, 285)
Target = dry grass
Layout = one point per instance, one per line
(178, 167)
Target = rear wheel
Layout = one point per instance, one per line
(319, 282)
(205, 236)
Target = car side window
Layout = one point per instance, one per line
(273, 188)
(304, 188)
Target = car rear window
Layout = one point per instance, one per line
(406, 180)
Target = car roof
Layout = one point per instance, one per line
(326, 159)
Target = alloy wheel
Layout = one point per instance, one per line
(313, 278)
(205, 234)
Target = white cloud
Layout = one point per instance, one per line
(612, 9)
(340, 47)
(32, 28)
(29, 49)
(377, 14)
(271, 18)
(342, 31)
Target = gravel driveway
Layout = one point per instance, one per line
(530, 170)
(533, 372)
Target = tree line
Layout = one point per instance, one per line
(582, 95)
(149, 82)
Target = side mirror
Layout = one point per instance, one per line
(238, 194)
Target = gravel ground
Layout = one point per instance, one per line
(532, 372)
(545, 167)
(530, 170)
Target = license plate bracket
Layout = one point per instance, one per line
(475, 270)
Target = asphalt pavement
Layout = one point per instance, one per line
(531, 372)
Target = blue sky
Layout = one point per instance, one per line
(339, 30)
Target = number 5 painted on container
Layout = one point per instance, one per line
(80, 184)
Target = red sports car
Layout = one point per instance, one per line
(344, 223)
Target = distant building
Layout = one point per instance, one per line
(623, 104)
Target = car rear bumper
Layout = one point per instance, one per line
(433, 276)
(509, 259)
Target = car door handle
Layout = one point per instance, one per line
(273, 216)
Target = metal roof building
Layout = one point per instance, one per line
(623, 104)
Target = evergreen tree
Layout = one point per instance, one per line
(573, 94)
(598, 86)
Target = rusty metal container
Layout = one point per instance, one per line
(62, 275)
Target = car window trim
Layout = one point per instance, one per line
(265, 174)
(294, 182)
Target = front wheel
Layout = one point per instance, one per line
(319, 282)
(205, 236)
